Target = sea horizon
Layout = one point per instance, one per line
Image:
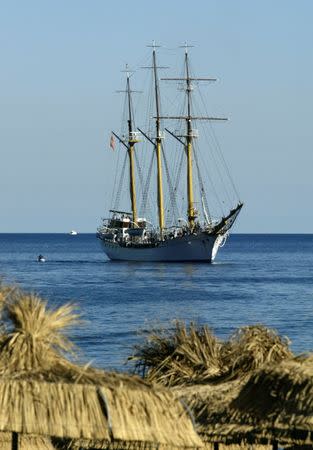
(95, 232)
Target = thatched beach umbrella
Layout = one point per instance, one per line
(209, 403)
(43, 393)
(24, 442)
(278, 402)
(95, 413)
(210, 406)
(251, 347)
(179, 356)
(274, 406)
(189, 355)
(207, 374)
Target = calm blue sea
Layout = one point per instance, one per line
(256, 279)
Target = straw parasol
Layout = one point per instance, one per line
(180, 355)
(94, 413)
(275, 406)
(248, 349)
(208, 404)
(25, 442)
(188, 355)
(42, 392)
(278, 401)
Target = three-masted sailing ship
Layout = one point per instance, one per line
(189, 235)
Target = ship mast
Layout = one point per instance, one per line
(190, 135)
(131, 144)
(157, 141)
(192, 212)
(158, 144)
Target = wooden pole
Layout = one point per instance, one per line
(275, 445)
(132, 182)
(14, 440)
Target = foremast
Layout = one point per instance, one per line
(131, 140)
(131, 144)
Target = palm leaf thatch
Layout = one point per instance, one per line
(37, 341)
(36, 345)
(250, 347)
(192, 354)
(95, 413)
(51, 409)
(278, 400)
(25, 442)
(243, 446)
(208, 403)
(43, 393)
(212, 409)
(274, 405)
(177, 357)
(5, 294)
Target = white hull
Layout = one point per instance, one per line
(200, 247)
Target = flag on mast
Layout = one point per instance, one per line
(112, 142)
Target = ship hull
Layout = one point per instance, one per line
(200, 247)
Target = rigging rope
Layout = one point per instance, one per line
(202, 193)
(212, 184)
(118, 193)
(147, 186)
(139, 171)
(115, 176)
(224, 161)
(170, 186)
(218, 148)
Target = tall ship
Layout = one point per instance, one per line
(167, 203)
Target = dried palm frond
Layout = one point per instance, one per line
(250, 347)
(37, 341)
(187, 354)
(192, 354)
(95, 413)
(30, 315)
(5, 293)
(25, 442)
(283, 391)
(44, 393)
(275, 404)
(242, 446)
(210, 405)
(37, 346)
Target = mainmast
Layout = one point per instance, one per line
(158, 143)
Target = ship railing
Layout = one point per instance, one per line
(210, 226)
(102, 229)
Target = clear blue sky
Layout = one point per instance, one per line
(60, 63)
